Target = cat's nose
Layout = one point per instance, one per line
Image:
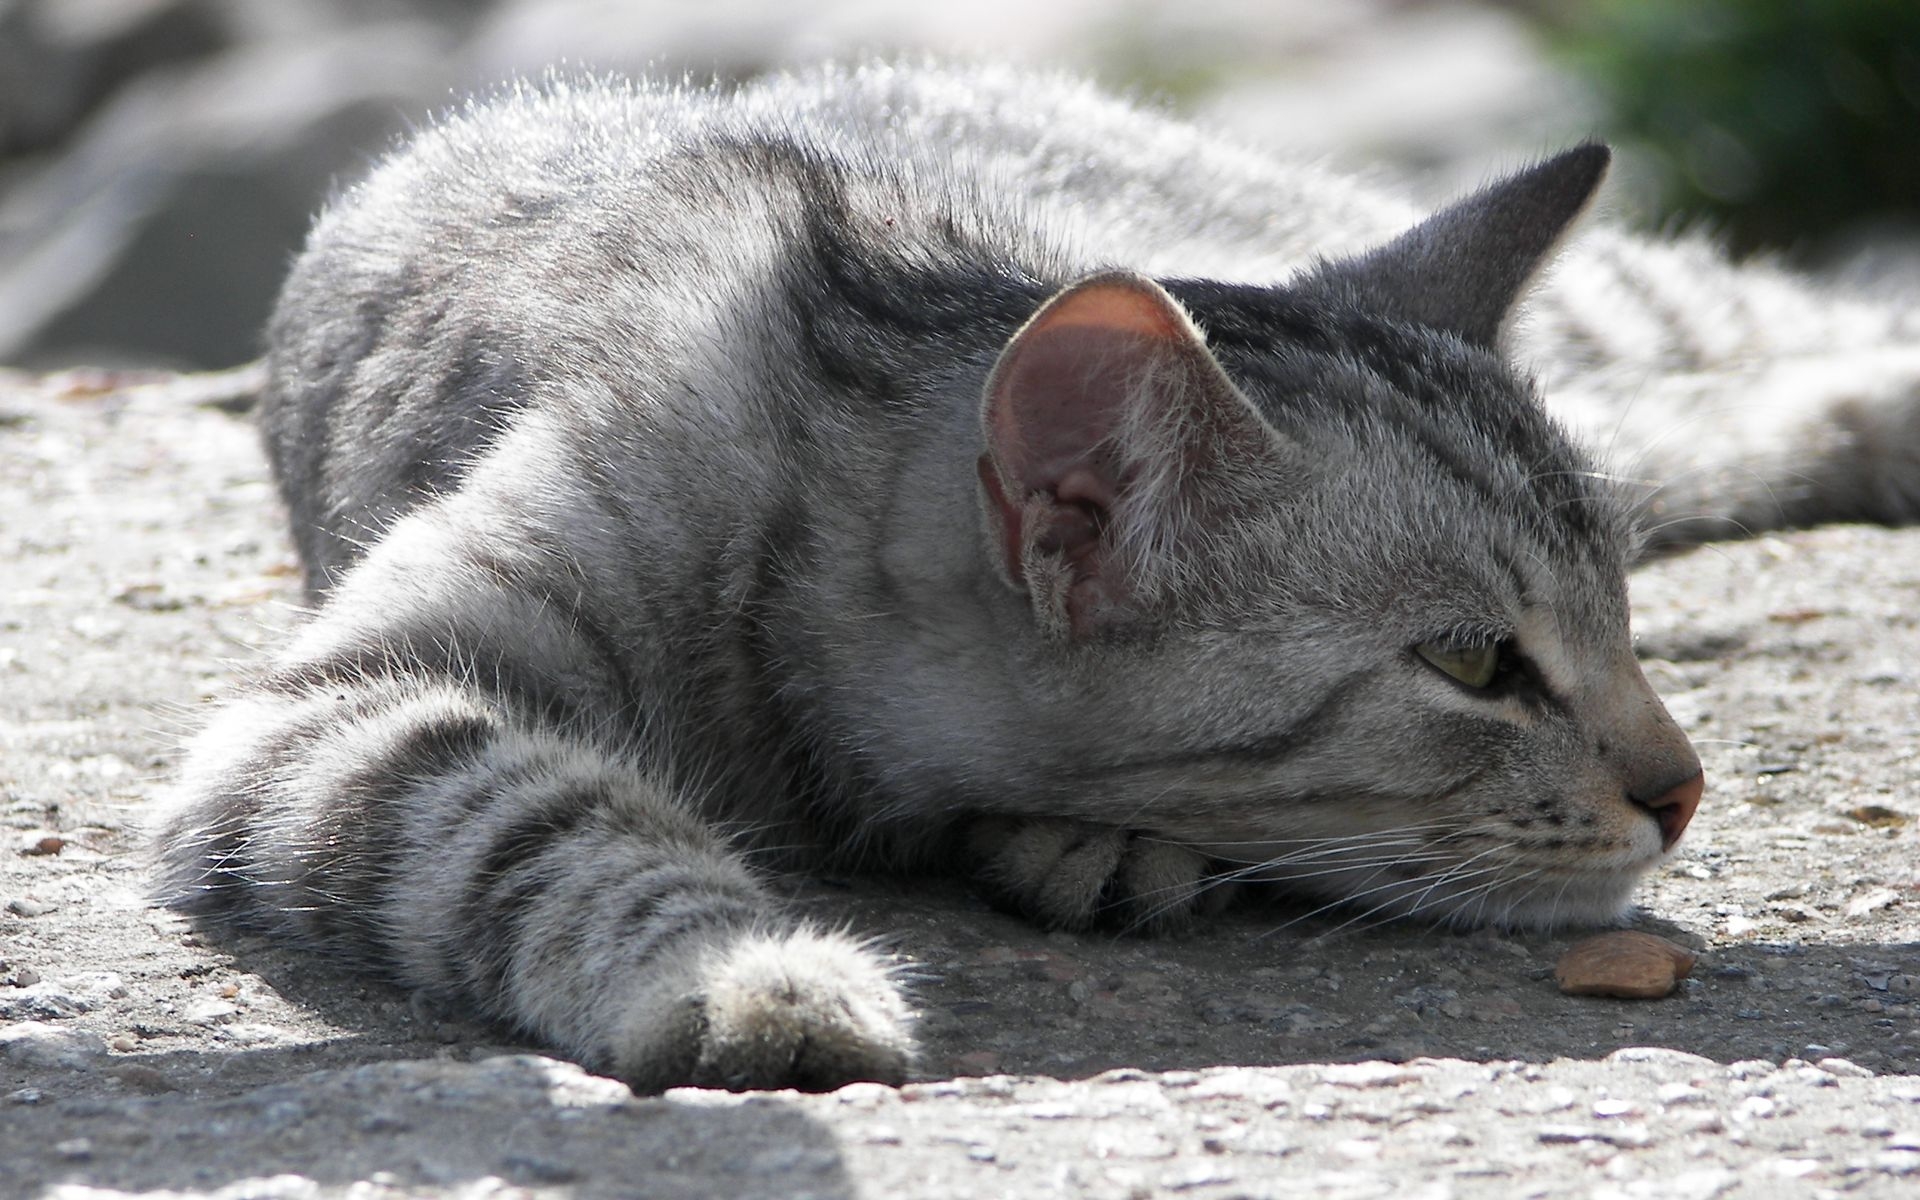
(1673, 807)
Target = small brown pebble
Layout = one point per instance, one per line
(41, 842)
(1625, 963)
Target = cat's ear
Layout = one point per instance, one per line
(1463, 269)
(1108, 425)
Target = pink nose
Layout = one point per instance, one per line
(1674, 807)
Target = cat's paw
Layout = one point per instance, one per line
(796, 1008)
(1066, 874)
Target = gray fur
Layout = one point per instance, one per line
(686, 475)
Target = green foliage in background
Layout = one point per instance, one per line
(1780, 120)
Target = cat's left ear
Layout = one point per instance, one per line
(1114, 440)
(1463, 269)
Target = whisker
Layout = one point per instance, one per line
(1308, 854)
(1181, 893)
(1453, 823)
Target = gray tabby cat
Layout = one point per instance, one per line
(895, 467)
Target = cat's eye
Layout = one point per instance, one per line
(1475, 664)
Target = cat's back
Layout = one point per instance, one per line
(1035, 166)
(583, 237)
(515, 257)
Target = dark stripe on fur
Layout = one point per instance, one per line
(368, 821)
(506, 881)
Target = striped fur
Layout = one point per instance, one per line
(682, 476)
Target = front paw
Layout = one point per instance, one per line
(796, 1008)
(1066, 874)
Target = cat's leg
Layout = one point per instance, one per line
(361, 803)
(1067, 874)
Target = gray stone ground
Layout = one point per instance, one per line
(1282, 1053)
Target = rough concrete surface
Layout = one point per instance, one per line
(1282, 1052)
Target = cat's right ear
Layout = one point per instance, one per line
(1463, 269)
(1110, 430)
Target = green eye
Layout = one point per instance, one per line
(1474, 664)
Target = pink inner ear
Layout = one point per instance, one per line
(1062, 384)
(1059, 401)
(1054, 471)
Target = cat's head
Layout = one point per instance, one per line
(1327, 594)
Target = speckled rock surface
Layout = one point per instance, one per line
(1279, 1053)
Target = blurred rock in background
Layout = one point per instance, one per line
(161, 159)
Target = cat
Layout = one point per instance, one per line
(908, 467)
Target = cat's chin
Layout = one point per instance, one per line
(1601, 900)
